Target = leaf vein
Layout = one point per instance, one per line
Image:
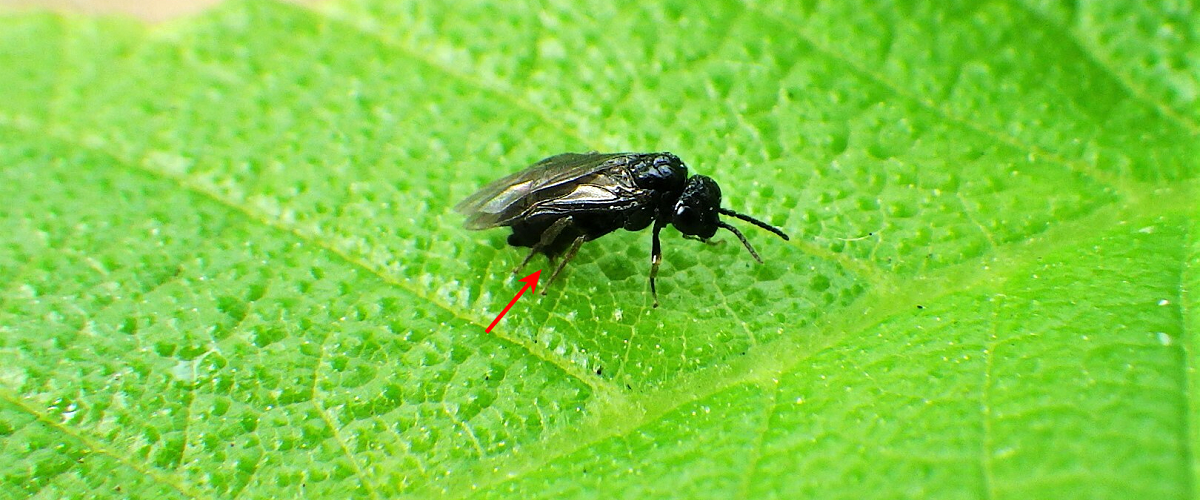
(95, 446)
(187, 184)
(1187, 344)
(1093, 55)
(998, 137)
(333, 428)
(759, 438)
(420, 57)
(971, 214)
(985, 443)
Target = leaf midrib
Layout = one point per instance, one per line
(775, 358)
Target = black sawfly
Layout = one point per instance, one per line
(557, 204)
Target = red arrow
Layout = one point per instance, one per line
(530, 283)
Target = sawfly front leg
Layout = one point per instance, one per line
(655, 260)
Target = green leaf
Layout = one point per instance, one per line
(230, 267)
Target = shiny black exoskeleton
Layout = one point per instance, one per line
(562, 201)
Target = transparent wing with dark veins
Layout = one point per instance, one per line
(506, 199)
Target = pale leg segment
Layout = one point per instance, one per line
(655, 260)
